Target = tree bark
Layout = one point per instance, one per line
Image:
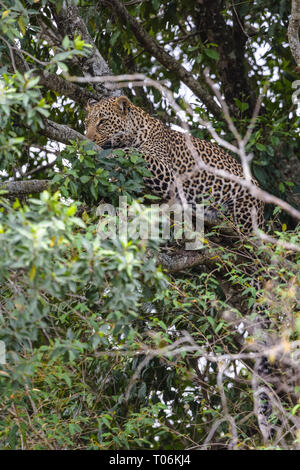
(22, 188)
(293, 32)
(70, 22)
(63, 87)
(63, 133)
(178, 261)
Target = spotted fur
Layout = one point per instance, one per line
(117, 123)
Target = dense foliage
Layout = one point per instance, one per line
(105, 347)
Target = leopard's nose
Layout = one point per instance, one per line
(91, 135)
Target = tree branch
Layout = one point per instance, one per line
(21, 188)
(71, 90)
(70, 22)
(63, 133)
(293, 31)
(163, 57)
(180, 260)
(60, 132)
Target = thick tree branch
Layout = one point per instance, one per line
(71, 90)
(293, 31)
(21, 188)
(63, 133)
(209, 256)
(70, 22)
(163, 57)
(60, 132)
(178, 261)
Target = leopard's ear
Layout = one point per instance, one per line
(91, 102)
(123, 104)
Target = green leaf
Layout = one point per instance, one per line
(212, 53)
(261, 147)
(66, 42)
(85, 178)
(94, 192)
(242, 106)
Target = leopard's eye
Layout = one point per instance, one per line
(101, 122)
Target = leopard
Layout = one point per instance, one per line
(171, 156)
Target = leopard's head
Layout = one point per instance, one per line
(108, 122)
